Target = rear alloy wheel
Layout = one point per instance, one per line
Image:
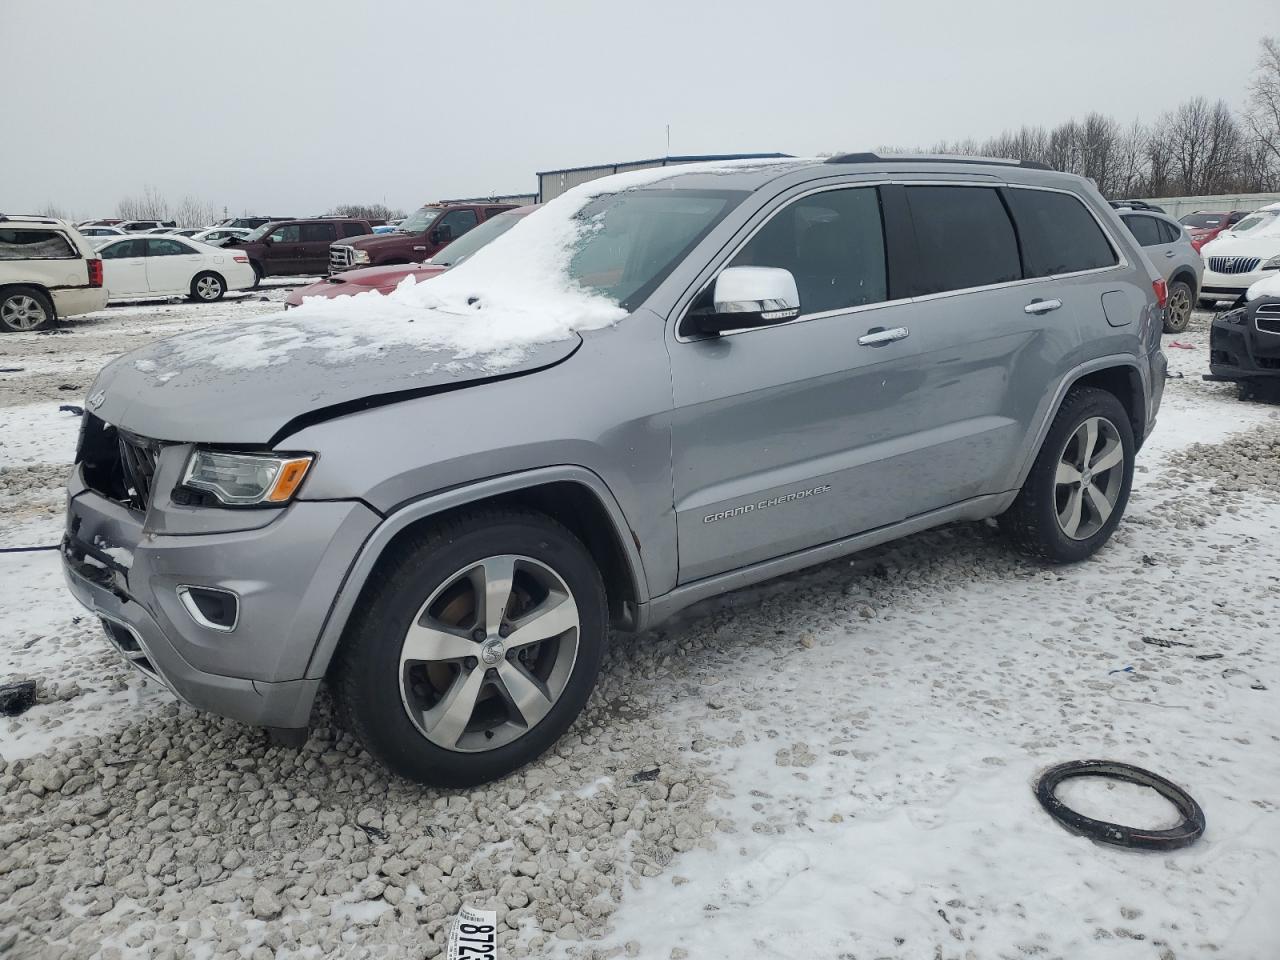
(1078, 487)
(207, 287)
(1178, 312)
(476, 650)
(24, 310)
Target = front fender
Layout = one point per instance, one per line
(417, 510)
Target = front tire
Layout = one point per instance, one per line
(208, 287)
(475, 649)
(1178, 314)
(1078, 487)
(25, 310)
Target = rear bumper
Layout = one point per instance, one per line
(284, 576)
(72, 301)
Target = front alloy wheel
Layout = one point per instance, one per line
(489, 653)
(474, 647)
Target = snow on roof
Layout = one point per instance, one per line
(511, 294)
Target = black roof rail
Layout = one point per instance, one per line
(986, 161)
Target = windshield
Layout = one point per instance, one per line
(1255, 220)
(634, 238)
(419, 220)
(1203, 219)
(473, 240)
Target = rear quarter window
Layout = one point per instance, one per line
(1058, 233)
(964, 238)
(35, 245)
(353, 229)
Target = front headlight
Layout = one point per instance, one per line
(247, 479)
(1272, 264)
(359, 256)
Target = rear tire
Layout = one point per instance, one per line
(208, 287)
(428, 675)
(25, 310)
(1078, 487)
(1178, 314)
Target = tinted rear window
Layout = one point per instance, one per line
(964, 237)
(317, 232)
(1145, 229)
(1058, 234)
(34, 245)
(1203, 219)
(353, 229)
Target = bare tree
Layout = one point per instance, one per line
(194, 212)
(366, 211)
(1263, 118)
(150, 205)
(51, 209)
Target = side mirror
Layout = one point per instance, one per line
(745, 297)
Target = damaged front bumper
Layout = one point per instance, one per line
(1244, 344)
(283, 576)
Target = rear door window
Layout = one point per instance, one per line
(164, 247)
(964, 238)
(1168, 232)
(124, 250)
(35, 245)
(1058, 233)
(833, 244)
(318, 232)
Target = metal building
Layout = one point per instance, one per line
(552, 183)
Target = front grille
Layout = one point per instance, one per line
(118, 465)
(1234, 264)
(1267, 317)
(341, 257)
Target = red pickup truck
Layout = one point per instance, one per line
(420, 236)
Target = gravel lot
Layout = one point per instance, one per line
(835, 764)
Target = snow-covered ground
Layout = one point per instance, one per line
(837, 764)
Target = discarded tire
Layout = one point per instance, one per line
(1138, 838)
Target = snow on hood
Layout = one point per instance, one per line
(509, 296)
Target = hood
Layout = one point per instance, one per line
(188, 388)
(1259, 243)
(382, 276)
(373, 241)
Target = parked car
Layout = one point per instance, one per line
(142, 226)
(252, 223)
(107, 222)
(102, 232)
(296, 247)
(1169, 248)
(742, 370)
(386, 279)
(1202, 226)
(419, 236)
(1244, 343)
(48, 271)
(218, 236)
(151, 266)
(1243, 255)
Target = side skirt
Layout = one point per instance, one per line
(659, 608)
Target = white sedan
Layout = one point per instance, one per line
(150, 266)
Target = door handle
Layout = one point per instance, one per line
(1169, 254)
(879, 336)
(1042, 306)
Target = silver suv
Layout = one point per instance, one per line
(808, 358)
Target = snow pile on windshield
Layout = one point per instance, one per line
(510, 295)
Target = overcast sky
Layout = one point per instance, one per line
(290, 106)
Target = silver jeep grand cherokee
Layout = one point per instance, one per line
(815, 357)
